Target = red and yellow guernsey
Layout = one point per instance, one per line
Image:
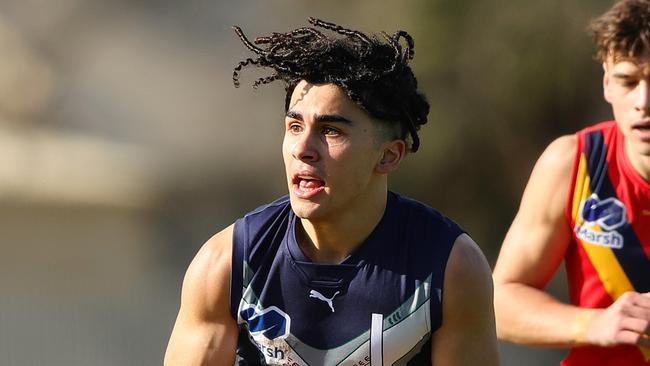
(609, 211)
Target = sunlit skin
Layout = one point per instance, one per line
(626, 85)
(336, 167)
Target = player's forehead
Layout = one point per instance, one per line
(327, 94)
(630, 65)
(324, 99)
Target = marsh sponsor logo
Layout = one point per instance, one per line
(609, 213)
(607, 239)
(601, 219)
(270, 322)
(271, 353)
(267, 329)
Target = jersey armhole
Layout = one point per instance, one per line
(237, 266)
(568, 206)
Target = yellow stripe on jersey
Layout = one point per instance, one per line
(602, 258)
(581, 190)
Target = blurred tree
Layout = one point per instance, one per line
(504, 78)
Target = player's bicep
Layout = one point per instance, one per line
(204, 332)
(467, 335)
(539, 235)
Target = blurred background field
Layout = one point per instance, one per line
(124, 146)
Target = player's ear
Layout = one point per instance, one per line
(606, 81)
(392, 155)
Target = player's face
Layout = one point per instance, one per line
(627, 88)
(329, 149)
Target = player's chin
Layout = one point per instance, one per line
(305, 209)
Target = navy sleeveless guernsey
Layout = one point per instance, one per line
(377, 307)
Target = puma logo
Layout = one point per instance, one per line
(319, 296)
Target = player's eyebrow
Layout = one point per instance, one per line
(624, 75)
(320, 117)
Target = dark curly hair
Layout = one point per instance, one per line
(623, 31)
(374, 73)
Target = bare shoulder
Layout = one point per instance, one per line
(558, 156)
(206, 282)
(468, 269)
(547, 190)
(214, 252)
(562, 145)
(468, 332)
(204, 332)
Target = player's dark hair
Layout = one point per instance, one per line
(623, 31)
(374, 73)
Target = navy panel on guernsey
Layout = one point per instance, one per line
(378, 307)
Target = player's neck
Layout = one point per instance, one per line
(332, 239)
(640, 163)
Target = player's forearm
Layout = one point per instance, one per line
(530, 316)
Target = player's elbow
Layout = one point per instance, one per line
(504, 312)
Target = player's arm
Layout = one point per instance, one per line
(531, 253)
(533, 249)
(467, 335)
(205, 333)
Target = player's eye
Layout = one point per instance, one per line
(294, 128)
(329, 131)
(628, 83)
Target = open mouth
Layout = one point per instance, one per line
(310, 183)
(642, 130)
(307, 186)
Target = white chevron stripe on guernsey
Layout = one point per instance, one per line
(402, 337)
(376, 340)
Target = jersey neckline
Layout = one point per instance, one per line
(336, 274)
